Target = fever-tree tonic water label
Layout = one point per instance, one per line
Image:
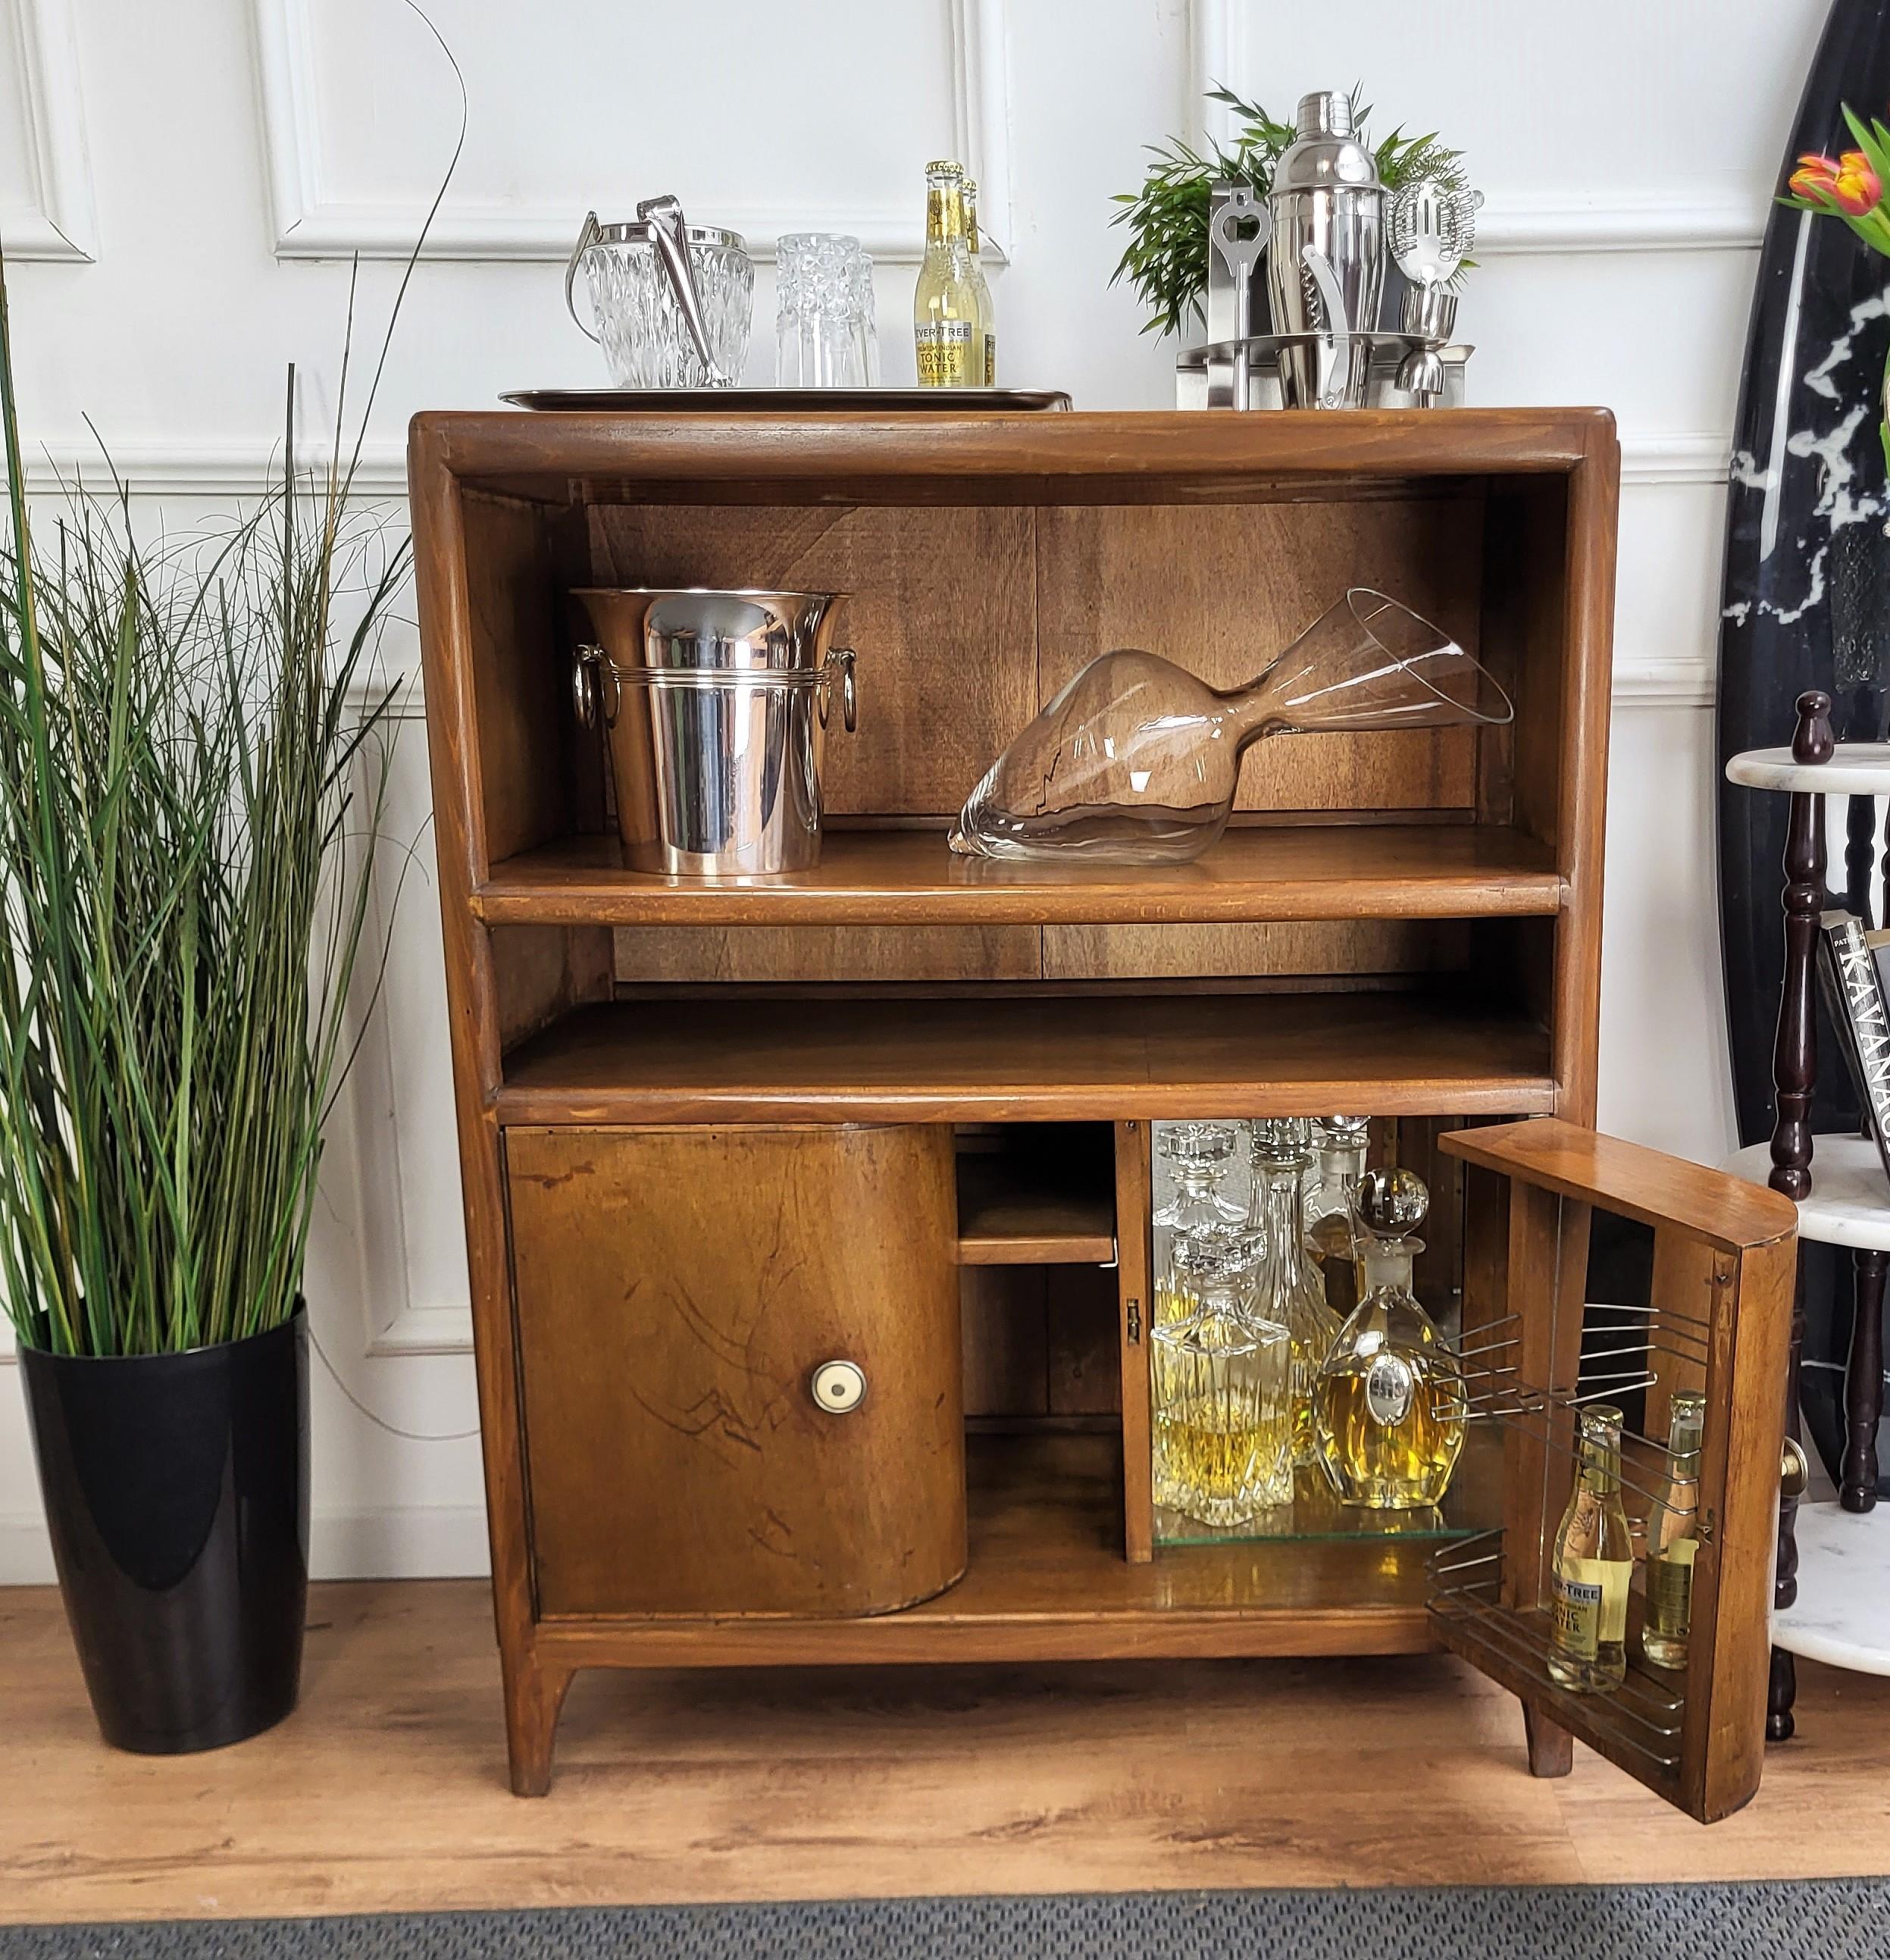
(1670, 1588)
(1590, 1604)
(945, 356)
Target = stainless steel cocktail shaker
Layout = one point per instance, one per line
(1326, 255)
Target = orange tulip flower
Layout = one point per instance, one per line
(1814, 177)
(1857, 186)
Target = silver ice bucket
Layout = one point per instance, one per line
(716, 706)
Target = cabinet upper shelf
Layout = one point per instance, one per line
(1264, 873)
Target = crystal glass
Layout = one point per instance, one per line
(1289, 1291)
(1199, 1158)
(1220, 1391)
(1593, 1563)
(1673, 1537)
(825, 336)
(1136, 760)
(641, 327)
(1389, 1401)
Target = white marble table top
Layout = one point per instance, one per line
(1842, 1614)
(1855, 768)
(1850, 1200)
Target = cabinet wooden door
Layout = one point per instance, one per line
(740, 1367)
(1539, 1345)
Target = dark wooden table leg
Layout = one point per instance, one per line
(1861, 846)
(1551, 1746)
(1864, 1385)
(1794, 1074)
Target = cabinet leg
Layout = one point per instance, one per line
(1780, 1694)
(1551, 1746)
(534, 1694)
(1863, 1384)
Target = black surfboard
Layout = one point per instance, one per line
(1805, 600)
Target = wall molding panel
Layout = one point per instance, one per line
(61, 223)
(309, 223)
(1512, 225)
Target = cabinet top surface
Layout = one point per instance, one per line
(1135, 442)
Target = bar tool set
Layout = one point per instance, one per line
(1300, 282)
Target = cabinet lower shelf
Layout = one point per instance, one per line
(1008, 1057)
(1047, 1581)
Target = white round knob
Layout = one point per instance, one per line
(838, 1386)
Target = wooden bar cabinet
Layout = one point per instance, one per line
(809, 1218)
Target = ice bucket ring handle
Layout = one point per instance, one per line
(587, 690)
(588, 237)
(842, 657)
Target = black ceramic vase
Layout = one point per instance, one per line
(177, 1494)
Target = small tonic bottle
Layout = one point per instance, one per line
(987, 314)
(1594, 1561)
(945, 322)
(1673, 1528)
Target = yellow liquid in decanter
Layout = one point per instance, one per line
(1388, 1402)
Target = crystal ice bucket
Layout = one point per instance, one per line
(665, 320)
(715, 705)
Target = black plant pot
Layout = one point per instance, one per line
(177, 1492)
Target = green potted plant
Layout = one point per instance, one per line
(190, 784)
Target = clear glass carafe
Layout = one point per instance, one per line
(1221, 1390)
(1389, 1399)
(1290, 1292)
(1136, 760)
(1200, 1159)
(1593, 1563)
(1332, 1230)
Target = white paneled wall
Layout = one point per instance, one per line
(181, 188)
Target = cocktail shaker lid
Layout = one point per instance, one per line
(1324, 155)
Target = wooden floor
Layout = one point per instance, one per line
(386, 1791)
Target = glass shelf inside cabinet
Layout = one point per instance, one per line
(1473, 1503)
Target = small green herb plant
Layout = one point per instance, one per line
(1166, 259)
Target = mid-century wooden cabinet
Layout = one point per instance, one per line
(895, 1113)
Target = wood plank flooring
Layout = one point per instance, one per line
(386, 1791)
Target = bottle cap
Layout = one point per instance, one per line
(946, 166)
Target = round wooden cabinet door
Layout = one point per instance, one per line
(741, 1367)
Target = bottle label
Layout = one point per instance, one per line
(991, 360)
(1389, 1387)
(1612, 1576)
(944, 351)
(1589, 1604)
(1670, 1588)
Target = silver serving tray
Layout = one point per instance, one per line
(790, 401)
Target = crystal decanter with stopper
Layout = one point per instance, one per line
(1221, 1389)
(1291, 1292)
(1136, 761)
(1200, 1157)
(1389, 1399)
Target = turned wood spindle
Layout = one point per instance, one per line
(1795, 1052)
(1864, 1385)
(1860, 853)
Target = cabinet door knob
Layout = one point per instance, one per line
(1794, 1470)
(839, 1387)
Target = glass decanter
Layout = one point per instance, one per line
(1389, 1400)
(1136, 761)
(1331, 1196)
(1291, 1292)
(1594, 1560)
(1220, 1390)
(1200, 1159)
(1673, 1537)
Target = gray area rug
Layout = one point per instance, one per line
(1832, 1919)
